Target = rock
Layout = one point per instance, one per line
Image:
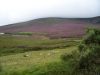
(26, 55)
(48, 54)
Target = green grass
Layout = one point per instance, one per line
(24, 33)
(41, 60)
(13, 44)
(18, 59)
(46, 56)
(11, 41)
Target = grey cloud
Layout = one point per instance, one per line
(12, 11)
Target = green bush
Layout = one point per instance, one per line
(91, 45)
(66, 57)
(92, 37)
(81, 47)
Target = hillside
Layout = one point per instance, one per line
(33, 47)
(54, 27)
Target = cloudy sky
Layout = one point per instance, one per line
(12, 11)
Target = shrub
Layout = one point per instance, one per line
(91, 46)
(66, 57)
(81, 47)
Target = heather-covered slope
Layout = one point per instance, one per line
(54, 27)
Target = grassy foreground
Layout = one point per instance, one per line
(72, 58)
(19, 62)
(21, 54)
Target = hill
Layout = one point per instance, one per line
(54, 27)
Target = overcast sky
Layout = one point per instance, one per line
(12, 11)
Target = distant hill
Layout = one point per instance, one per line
(54, 27)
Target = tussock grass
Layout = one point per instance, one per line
(13, 45)
(37, 63)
